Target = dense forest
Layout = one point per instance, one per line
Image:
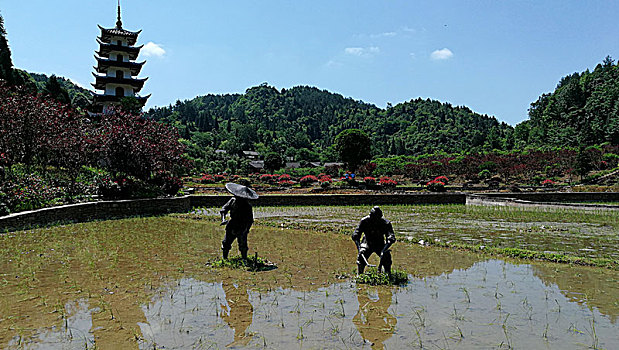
(77, 96)
(302, 123)
(582, 111)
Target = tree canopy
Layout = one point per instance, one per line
(353, 148)
(583, 110)
(303, 122)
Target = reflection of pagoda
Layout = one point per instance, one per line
(116, 70)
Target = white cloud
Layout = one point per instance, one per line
(384, 35)
(358, 51)
(152, 49)
(333, 64)
(362, 51)
(442, 54)
(408, 29)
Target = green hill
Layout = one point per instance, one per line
(303, 121)
(583, 110)
(78, 96)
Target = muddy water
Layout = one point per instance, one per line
(519, 228)
(143, 283)
(492, 304)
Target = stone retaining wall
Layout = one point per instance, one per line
(146, 207)
(94, 211)
(338, 199)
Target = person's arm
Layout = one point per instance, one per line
(356, 236)
(390, 238)
(390, 234)
(225, 209)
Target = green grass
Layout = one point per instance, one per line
(529, 254)
(372, 277)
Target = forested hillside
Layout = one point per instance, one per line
(77, 96)
(582, 111)
(303, 121)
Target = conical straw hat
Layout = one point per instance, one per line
(241, 191)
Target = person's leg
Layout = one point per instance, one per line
(242, 239)
(226, 244)
(386, 262)
(363, 252)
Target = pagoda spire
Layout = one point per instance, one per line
(119, 22)
(116, 71)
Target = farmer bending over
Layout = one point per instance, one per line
(241, 218)
(376, 229)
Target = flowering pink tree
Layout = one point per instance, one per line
(128, 144)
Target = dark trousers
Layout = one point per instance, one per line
(367, 252)
(239, 233)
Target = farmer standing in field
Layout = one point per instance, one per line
(376, 229)
(241, 218)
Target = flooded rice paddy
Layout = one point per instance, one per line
(144, 283)
(593, 234)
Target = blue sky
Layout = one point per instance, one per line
(495, 57)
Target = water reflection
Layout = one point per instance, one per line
(596, 288)
(237, 312)
(75, 331)
(491, 304)
(186, 315)
(373, 320)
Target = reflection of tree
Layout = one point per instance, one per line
(594, 286)
(239, 312)
(373, 320)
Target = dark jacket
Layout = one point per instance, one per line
(241, 214)
(375, 230)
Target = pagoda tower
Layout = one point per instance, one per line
(116, 70)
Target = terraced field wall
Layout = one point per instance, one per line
(103, 210)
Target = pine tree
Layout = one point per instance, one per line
(55, 91)
(6, 65)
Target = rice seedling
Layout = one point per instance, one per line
(254, 263)
(593, 334)
(466, 293)
(375, 278)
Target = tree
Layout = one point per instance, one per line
(273, 161)
(583, 162)
(131, 145)
(6, 65)
(56, 92)
(130, 104)
(353, 147)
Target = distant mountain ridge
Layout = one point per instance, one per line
(306, 119)
(79, 96)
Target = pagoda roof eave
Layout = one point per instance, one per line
(105, 63)
(104, 96)
(119, 31)
(103, 43)
(102, 80)
(105, 76)
(103, 59)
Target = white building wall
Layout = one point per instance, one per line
(110, 89)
